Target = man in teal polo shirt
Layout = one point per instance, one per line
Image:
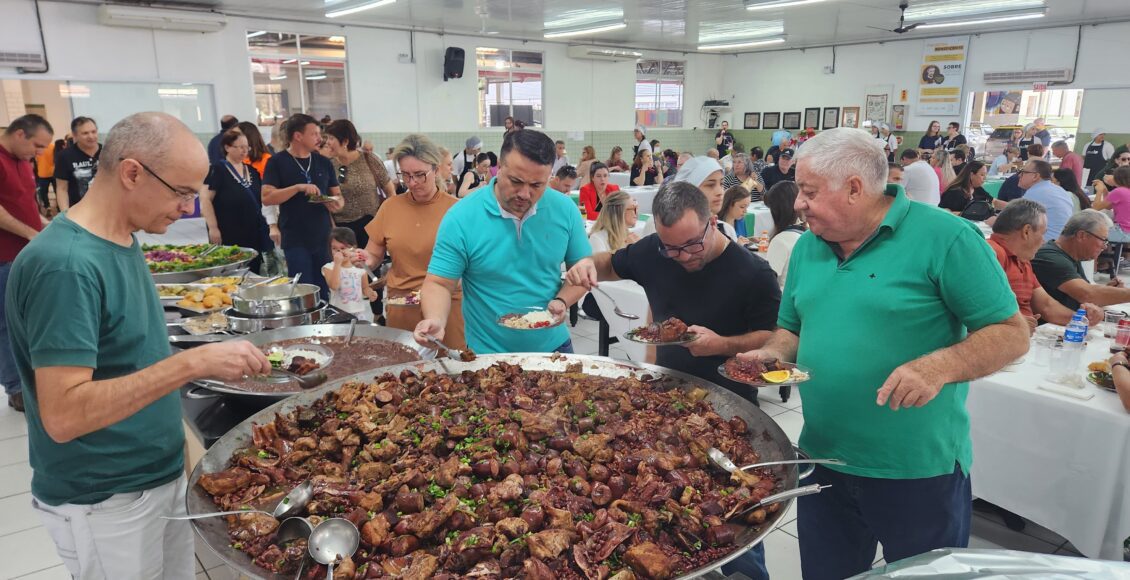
(506, 242)
(894, 306)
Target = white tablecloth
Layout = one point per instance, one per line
(621, 178)
(762, 219)
(1061, 462)
(643, 194)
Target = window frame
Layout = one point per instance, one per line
(260, 55)
(482, 108)
(658, 80)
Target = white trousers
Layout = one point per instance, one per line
(124, 536)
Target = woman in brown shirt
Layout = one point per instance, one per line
(406, 227)
(363, 179)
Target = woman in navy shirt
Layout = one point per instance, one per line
(231, 204)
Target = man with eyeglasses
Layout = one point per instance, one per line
(1035, 180)
(101, 389)
(691, 271)
(1058, 263)
(506, 242)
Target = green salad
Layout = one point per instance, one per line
(166, 258)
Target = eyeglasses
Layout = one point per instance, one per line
(1097, 237)
(1124, 159)
(691, 248)
(414, 177)
(1023, 171)
(183, 196)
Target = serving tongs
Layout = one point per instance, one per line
(265, 281)
(208, 250)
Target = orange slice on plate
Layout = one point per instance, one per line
(776, 376)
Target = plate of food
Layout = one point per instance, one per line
(321, 198)
(210, 299)
(669, 332)
(771, 373)
(533, 320)
(300, 359)
(411, 299)
(171, 293)
(1099, 375)
(206, 324)
(166, 258)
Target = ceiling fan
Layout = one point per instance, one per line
(903, 27)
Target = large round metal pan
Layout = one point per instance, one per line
(765, 436)
(187, 276)
(310, 331)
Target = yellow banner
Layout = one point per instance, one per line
(945, 57)
(941, 91)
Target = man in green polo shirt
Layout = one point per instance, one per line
(89, 339)
(894, 306)
(506, 242)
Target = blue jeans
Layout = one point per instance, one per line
(751, 563)
(9, 376)
(309, 262)
(839, 527)
(566, 347)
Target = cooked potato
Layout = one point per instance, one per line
(227, 300)
(213, 301)
(194, 296)
(213, 290)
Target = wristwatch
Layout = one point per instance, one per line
(1120, 364)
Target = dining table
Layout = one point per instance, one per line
(1057, 455)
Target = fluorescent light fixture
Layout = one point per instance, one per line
(337, 39)
(733, 45)
(256, 33)
(980, 21)
(739, 31)
(771, 4)
(934, 10)
(581, 31)
(304, 63)
(358, 8)
(278, 78)
(290, 61)
(316, 78)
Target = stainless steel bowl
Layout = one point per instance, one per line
(765, 436)
(244, 324)
(273, 301)
(189, 276)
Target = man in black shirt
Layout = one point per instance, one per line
(290, 180)
(685, 261)
(724, 140)
(215, 150)
(782, 171)
(959, 161)
(76, 166)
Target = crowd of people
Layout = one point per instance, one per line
(84, 348)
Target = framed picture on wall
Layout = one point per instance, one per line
(771, 121)
(812, 118)
(898, 117)
(831, 118)
(851, 117)
(877, 108)
(752, 121)
(791, 121)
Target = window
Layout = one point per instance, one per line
(659, 93)
(298, 74)
(510, 85)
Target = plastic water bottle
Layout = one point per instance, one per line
(1073, 339)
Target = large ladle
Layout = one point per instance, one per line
(334, 540)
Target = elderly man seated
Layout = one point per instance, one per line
(1058, 264)
(1017, 235)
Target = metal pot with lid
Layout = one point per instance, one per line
(276, 301)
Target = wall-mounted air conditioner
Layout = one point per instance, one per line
(21, 60)
(159, 18)
(598, 53)
(1024, 77)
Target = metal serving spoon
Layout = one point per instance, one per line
(721, 460)
(333, 540)
(305, 381)
(294, 502)
(616, 307)
(294, 284)
(446, 348)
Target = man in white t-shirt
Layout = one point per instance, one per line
(919, 179)
(562, 157)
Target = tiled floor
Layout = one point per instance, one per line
(27, 553)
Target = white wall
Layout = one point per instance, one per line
(385, 95)
(793, 80)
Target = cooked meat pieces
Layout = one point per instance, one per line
(671, 330)
(649, 561)
(503, 473)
